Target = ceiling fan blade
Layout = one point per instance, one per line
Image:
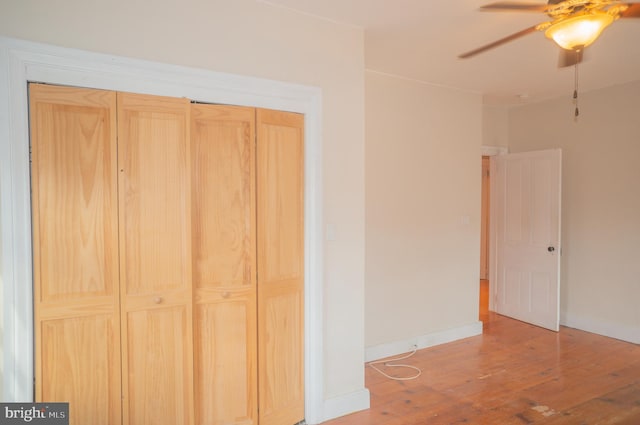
(569, 57)
(499, 42)
(632, 12)
(511, 6)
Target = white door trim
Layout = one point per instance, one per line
(22, 62)
(492, 151)
(487, 150)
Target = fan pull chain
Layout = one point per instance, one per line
(575, 89)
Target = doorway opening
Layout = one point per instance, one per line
(484, 241)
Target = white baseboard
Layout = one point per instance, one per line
(442, 337)
(608, 329)
(348, 403)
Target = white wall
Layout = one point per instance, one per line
(1, 321)
(600, 287)
(423, 169)
(495, 126)
(249, 37)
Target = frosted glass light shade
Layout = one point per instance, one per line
(579, 31)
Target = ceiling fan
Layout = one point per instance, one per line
(574, 24)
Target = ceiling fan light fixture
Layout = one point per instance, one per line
(579, 31)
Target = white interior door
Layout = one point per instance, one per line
(525, 204)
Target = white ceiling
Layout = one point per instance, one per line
(421, 39)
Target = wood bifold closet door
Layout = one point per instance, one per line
(168, 259)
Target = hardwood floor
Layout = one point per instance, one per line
(514, 373)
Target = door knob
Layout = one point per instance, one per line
(551, 249)
(157, 300)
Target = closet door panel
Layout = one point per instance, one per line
(280, 166)
(224, 264)
(74, 192)
(75, 251)
(223, 191)
(153, 159)
(155, 259)
(157, 361)
(225, 349)
(78, 359)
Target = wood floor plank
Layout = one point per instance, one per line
(514, 373)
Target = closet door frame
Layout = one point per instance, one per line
(23, 62)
